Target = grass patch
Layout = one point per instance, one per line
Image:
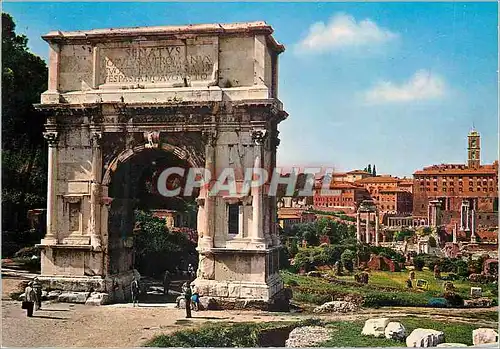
(318, 291)
(224, 335)
(383, 289)
(344, 334)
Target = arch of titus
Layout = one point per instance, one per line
(207, 94)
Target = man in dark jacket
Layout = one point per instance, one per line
(134, 288)
(37, 287)
(186, 290)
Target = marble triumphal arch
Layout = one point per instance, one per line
(207, 95)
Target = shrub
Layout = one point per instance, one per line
(418, 262)
(454, 299)
(401, 299)
(347, 258)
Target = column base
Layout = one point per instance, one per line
(94, 290)
(233, 291)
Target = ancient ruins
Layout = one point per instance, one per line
(205, 94)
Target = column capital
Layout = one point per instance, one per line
(259, 135)
(52, 138)
(96, 139)
(209, 137)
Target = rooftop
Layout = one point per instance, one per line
(378, 179)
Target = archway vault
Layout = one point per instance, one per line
(188, 154)
(209, 109)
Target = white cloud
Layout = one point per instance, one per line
(422, 85)
(344, 31)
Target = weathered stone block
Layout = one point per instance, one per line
(484, 335)
(307, 336)
(395, 330)
(375, 327)
(423, 337)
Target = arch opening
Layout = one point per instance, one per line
(138, 210)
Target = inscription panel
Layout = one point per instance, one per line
(159, 63)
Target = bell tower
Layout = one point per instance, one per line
(473, 149)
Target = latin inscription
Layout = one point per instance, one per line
(170, 64)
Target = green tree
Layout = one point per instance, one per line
(24, 153)
(347, 259)
(374, 170)
(158, 249)
(369, 168)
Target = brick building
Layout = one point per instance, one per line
(342, 196)
(392, 195)
(469, 188)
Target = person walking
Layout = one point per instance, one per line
(186, 290)
(167, 279)
(29, 299)
(37, 287)
(134, 288)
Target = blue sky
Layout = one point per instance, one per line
(395, 84)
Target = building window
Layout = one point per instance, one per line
(461, 189)
(233, 219)
(435, 189)
(471, 189)
(444, 189)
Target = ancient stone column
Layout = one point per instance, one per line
(209, 202)
(473, 226)
(367, 232)
(51, 236)
(376, 228)
(358, 226)
(95, 191)
(257, 226)
(455, 228)
(241, 220)
(467, 215)
(258, 136)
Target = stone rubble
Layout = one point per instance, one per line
(336, 307)
(97, 298)
(478, 303)
(424, 337)
(73, 297)
(307, 336)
